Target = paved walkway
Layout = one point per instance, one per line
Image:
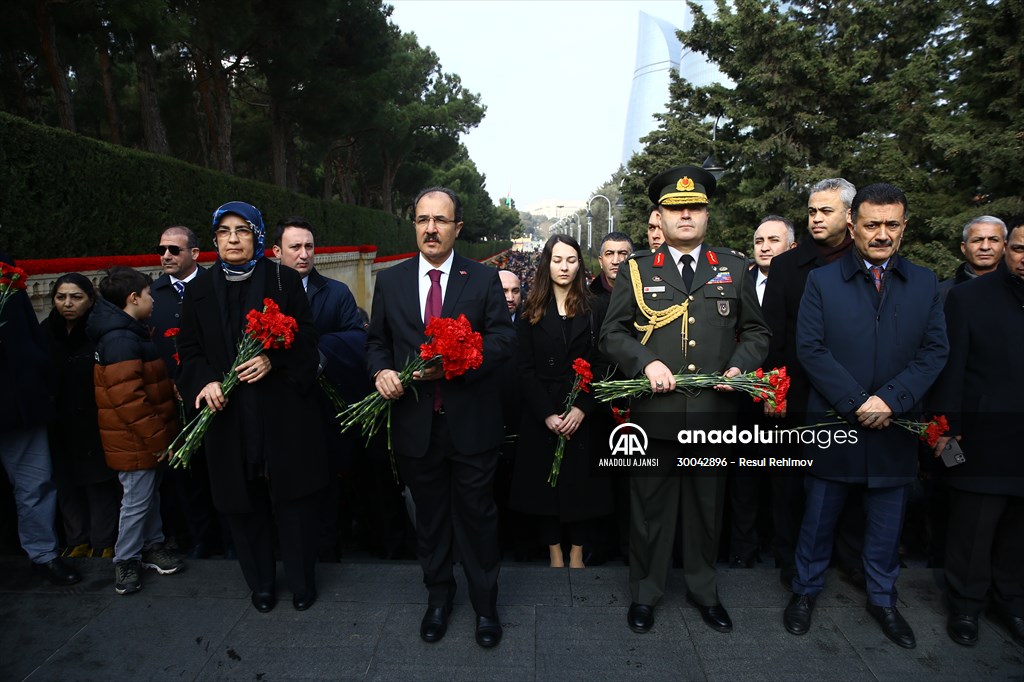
(559, 625)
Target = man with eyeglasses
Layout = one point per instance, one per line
(446, 432)
(186, 493)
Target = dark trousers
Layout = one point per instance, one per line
(552, 531)
(748, 494)
(455, 512)
(90, 513)
(788, 513)
(985, 551)
(657, 501)
(298, 535)
(883, 523)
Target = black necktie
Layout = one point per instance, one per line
(687, 271)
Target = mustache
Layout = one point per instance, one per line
(876, 243)
(431, 238)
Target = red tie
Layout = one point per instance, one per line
(430, 311)
(876, 274)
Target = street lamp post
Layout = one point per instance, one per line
(611, 218)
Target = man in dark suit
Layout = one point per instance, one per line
(613, 252)
(341, 340)
(828, 222)
(774, 235)
(186, 493)
(979, 393)
(984, 240)
(689, 308)
(872, 338)
(447, 433)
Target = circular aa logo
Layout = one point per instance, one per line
(628, 439)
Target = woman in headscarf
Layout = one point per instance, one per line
(88, 492)
(266, 459)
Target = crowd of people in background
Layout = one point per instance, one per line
(110, 376)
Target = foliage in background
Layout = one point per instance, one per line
(326, 98)
(925, 94)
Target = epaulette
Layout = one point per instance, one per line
(725, 251)
(641, 253)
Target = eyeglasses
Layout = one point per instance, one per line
(239, 232)
(440, 221)
(175, 250)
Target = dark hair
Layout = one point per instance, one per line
(456, 202)
(191, 240)
(790, 230)
(578, 300)
(79, 280)
(617, 237)
(291, 221)
(879, 194)
(121, 282)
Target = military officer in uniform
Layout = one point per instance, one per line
(683, 308)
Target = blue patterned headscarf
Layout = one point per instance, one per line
(251, 215)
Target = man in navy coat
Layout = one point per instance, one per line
(871, 336)
(446, 446)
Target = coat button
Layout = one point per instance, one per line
(654, 296)
(551, 362)
(692, 320)
(690, 297)
(692, 344)
(889, 387)
(691, 368)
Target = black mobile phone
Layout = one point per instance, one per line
(952, 455)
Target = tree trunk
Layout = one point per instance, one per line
(107, 77)
(222, 101)
(153, 130)
(205, 109)
(17, 82)
(54, 67)
(278, 144)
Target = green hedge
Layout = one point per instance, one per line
(64, 195)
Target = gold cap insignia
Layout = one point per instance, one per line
(685, 184)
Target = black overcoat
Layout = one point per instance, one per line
(285, 401)
(544, 357)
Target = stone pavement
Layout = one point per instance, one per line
(559, 625)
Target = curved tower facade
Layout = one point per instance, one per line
(658, 53)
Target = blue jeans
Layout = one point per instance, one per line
(140, 526)
(26, 457)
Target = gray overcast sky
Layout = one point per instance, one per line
(555, 77)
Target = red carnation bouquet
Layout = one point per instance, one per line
(12, 280)
(771, 387)
(451, 342)
(581, 382)
(264, 329)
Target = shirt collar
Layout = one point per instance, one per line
(445, 268)
(185, 280)
(677, 254)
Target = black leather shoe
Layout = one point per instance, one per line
(893, 625)
(739, 561)
(57, 572)
(1016, 626)
(488, 631)
(640, 617)
(716, 617)
(434, 623)
(301, 603)
(963, 629)
(264, 601)
(797, 616)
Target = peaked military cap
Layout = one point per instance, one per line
(682, 185)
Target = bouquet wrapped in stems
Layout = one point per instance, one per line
(451, 342)
(581, 382)
(265, 329)
(12, 280)
(771, 387)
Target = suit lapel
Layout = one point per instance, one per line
(703, 271)
(457, 280)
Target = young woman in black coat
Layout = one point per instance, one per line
(88, 493)
(560, 322)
